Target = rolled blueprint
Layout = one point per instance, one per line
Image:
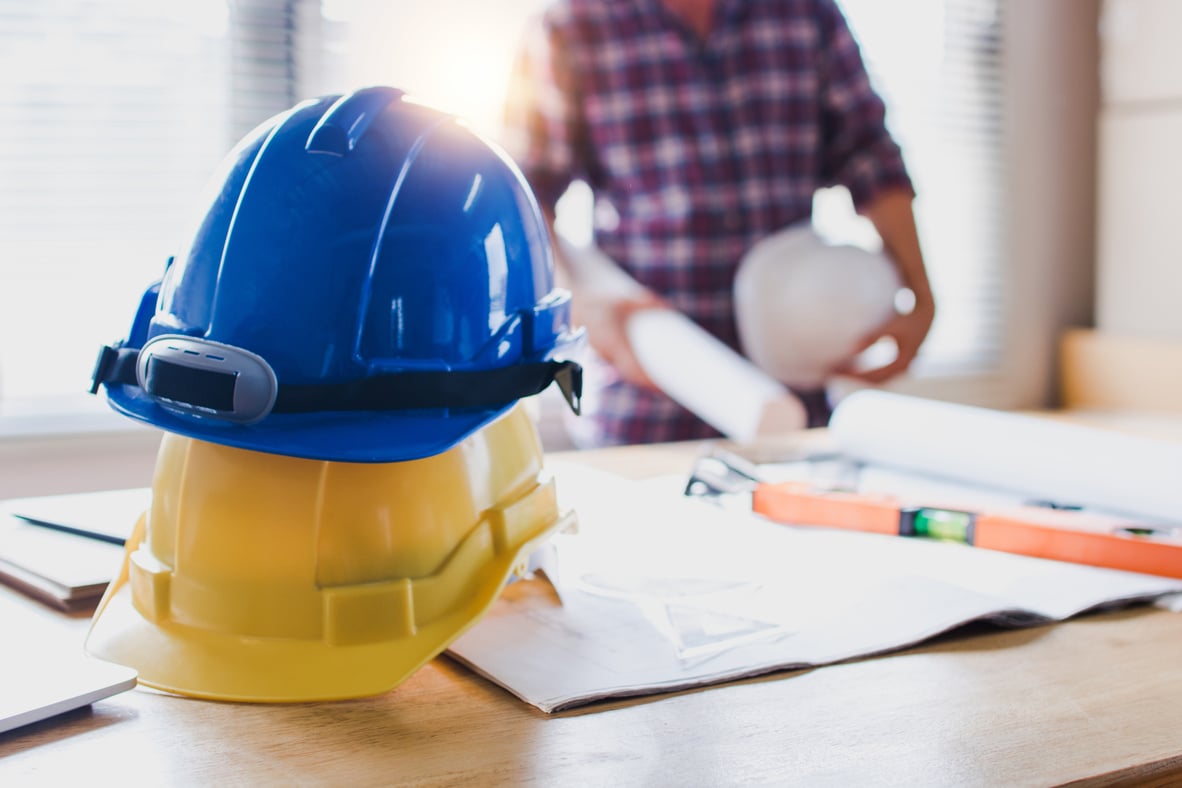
(596, 271)
(1044, 459)
(709, 379)
(692, 367)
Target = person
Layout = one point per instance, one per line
(701, 126)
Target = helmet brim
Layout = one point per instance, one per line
(335, 436)
(225, 666)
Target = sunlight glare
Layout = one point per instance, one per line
(454, 55)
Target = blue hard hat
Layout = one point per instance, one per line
(371, 281)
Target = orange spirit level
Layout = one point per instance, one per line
(1058, 534)
(1040, 531)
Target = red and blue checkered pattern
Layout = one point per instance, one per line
(695, 149)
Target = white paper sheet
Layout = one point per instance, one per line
(660, 593)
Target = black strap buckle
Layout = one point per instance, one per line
(569, 377)
(113, 365)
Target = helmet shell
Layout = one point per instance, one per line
(355, 236)
(803, 306)
(260, 577)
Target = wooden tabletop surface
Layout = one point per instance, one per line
(1097, 699)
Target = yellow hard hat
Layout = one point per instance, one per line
(261, 577)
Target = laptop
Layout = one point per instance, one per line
(43, 670)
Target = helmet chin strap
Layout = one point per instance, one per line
(480, 388)
(202, 391)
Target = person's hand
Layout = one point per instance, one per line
(907, 332)
(605, 315)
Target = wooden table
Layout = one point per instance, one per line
(1096, 700)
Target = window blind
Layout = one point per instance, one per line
(938, 65)
(263, 54)
(112, 116)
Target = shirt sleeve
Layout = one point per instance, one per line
(857, 150)
(542, 121)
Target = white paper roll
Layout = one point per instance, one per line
(1037, 457)
(709, 379)
(595, 271)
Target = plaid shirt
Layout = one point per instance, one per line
(695, 149)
